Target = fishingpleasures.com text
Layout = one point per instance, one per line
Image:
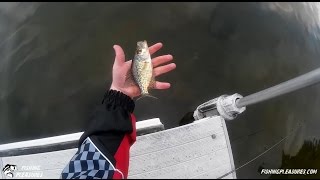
(290, 171)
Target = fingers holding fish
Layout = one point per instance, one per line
(128, 64)
(164, 69)
(157, 61)
(119, 57)
(161, 60)
(161, 85)
(154, 48)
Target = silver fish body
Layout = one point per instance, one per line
(142, 69)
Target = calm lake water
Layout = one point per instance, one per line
(56, 61)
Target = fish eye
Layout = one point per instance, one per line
(139, 51)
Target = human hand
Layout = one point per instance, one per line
(121, 68)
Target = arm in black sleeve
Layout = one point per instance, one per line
(104, 146)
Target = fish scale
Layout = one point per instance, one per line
(142, 75)
(142, 69)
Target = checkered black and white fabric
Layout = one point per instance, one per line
(88, 163)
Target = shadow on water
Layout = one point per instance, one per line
(307, 157)
(57, 57)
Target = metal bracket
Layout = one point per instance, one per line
(224, 106)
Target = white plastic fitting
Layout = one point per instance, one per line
(224, 106)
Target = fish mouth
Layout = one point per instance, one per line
(142, 44)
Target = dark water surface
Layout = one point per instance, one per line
(56, 61)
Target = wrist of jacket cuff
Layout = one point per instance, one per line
(113, 99)
(110, 122)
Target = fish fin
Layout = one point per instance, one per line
(129, 79)
(146, 95)
(152, 84)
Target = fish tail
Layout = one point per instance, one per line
(146, 95)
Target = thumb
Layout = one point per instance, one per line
(120, 57)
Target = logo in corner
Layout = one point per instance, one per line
(9, 169)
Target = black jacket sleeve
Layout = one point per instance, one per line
(103, 150)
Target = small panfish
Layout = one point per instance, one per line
(142, 69)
